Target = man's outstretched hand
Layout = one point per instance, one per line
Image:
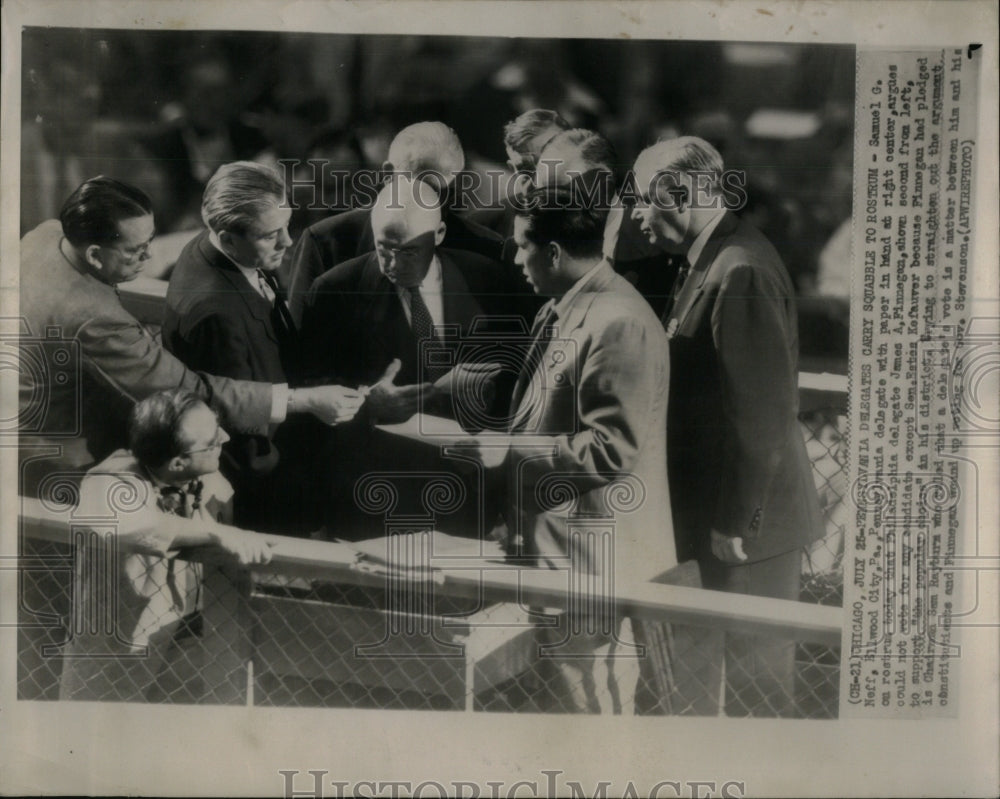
(391, 404)
(329, 404)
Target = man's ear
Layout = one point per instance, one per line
(681, 197)
(442, 228)
(554, 250)
(90, 255)
(387, 170)
(177, 463)
(226, 240)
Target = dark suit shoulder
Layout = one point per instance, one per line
(202, 280)
(479, 271)
(494, 218)
(344, 275)
(343, 224)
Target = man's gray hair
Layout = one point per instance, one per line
(427, 146)
(685, 154)
(238, 193)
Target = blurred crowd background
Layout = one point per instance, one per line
(162, 109)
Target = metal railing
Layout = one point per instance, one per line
(320, 627)
(423, 627)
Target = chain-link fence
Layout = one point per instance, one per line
(418, 625)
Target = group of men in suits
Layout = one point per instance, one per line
(693, 412)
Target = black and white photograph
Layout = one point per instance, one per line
(414, 390)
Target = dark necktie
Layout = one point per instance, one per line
(420, 316)
(423, 329)
(675, 290)
(272, 293)
(541, 334)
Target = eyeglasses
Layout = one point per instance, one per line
(385, 250)
(139, 252)
(219, 439)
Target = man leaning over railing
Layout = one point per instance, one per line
(136, 626)
(85, 360)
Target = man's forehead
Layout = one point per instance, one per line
(137, 229)
(521, 225)
(390, 228)
(644, 171)
(199, 421)
(273, 217)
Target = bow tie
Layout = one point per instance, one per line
(173, 499)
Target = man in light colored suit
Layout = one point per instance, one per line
(586, 463)
(163, 494)
(744, 502)
(103, 360)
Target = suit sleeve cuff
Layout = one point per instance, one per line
(279, 402)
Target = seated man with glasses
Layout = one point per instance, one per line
(136, 622)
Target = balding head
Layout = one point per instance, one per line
(683, 155)
(679, 185)
(429, 148)
(407, 227)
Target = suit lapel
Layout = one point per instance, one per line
(693, 286)
(258, 307)
(383, 319)
(572, 318)
(460, 307)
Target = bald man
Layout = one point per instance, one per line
(425, 148)
(365, 319)
(370, 311)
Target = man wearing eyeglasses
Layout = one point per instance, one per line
(85, 360)
(371, 322)
(428, 149)
(164, 493)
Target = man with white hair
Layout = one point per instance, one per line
(430, 150)
(742, 492)
(367, 320)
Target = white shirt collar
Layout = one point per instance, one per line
(698, 246)
(250, 274)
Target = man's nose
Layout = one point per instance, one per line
(284, 239)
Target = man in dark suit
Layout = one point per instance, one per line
(103, 359)
(373, 321)
(428, 149)
(227, 315)
(743, 497)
